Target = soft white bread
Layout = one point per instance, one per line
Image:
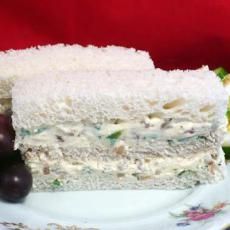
(25, 63)
(197, 95)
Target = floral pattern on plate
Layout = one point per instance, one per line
(198, 213)
(50, 226)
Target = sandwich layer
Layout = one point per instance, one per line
(100, 97)
(25, 63)
(165, 141)
(64, 171)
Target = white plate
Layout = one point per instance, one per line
(118, 210)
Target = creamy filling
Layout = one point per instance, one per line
(107, 134)
(148, 166)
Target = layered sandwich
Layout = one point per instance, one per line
(121, 129)
(17, 64)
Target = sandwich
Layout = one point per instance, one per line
(127, 129)
(16, 64)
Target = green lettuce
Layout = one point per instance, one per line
(221, 72)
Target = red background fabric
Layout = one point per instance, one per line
(177, 33)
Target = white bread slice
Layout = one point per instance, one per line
(16, 64)
(197, 95)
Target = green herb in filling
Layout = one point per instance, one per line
(56, 183)
(87, 169)
(188, 138)
(184, 139)
(24, 132)
(185, 172)
(181, 173)
(39, 130)
(170, 142)
(202, 138)
(115, 135)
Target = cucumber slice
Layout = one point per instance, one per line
(221, 72)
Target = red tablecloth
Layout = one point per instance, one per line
(177, 33)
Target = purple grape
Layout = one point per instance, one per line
(15, 182)
(10, 159)
(7, 136)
